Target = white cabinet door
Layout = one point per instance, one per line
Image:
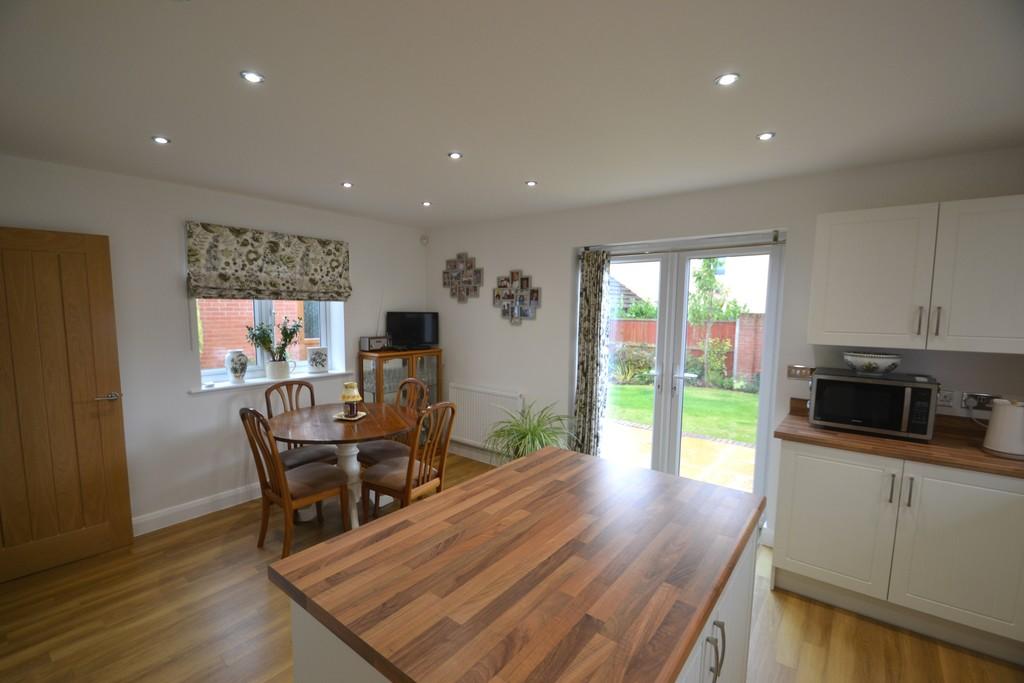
(872, 278)
(731, 623)
(960, 548)
(978, 290)
(837, 516)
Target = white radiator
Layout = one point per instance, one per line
(477, 409)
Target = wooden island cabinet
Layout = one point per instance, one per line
(558, 566)
(380, 373)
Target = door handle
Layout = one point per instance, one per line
(720, 625)
(892, 486)
(715, 668)
(910, 493)
(938, 319)
(920, 319)
(111, 396)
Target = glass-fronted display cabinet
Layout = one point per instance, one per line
(380, 373)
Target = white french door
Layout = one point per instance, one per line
(691, 348)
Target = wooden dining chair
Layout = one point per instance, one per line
(422, 472)
(412, 394)
(295, 488)
(289, 394)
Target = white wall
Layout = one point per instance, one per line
(186, 453)
(536, 358)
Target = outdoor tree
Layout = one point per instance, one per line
(709, 303)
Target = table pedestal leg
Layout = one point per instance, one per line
(348, 463)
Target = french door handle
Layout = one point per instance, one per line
(111, 396)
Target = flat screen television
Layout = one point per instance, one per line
(412, 330)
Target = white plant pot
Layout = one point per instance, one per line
(317, 356)
(279, 369)
(236, 363)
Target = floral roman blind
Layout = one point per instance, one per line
(225, 262)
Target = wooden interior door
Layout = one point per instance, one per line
(63, 476)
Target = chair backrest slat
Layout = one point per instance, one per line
(264, 451)
(289, 393)
(412, 393)
(430, 442)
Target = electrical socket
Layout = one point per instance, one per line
(980, 401)
(944, 399)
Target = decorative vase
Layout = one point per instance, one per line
(317, 359)
(279, 369)
(236, 363)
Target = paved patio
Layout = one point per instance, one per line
(704, 459)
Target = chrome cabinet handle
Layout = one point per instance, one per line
(715, 668)
(920, 319)
(938, 319)
(910, 493)
(112, 396)
(721, 627)
(892, 486)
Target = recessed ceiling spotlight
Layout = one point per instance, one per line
(427, 204)
(454, 156)
(253, 77)
(727, 79)
(161, 140)
(347, 185)
(765, 136)
(531, 183)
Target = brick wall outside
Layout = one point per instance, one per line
(223, 322)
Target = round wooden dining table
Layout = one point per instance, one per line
(317, 425)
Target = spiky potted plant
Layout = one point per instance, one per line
(261, 336)
(528, 430)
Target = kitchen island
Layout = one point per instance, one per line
(559, 566)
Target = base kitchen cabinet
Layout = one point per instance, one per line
(837, 516)
(721, 653)
(959, 550)
(941, 541)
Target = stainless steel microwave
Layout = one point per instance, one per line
(894, 405)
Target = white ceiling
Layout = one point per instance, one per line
(599, 100)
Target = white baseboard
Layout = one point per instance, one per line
(151, 521)
(473, 453)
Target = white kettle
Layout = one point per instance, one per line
(1005, 435)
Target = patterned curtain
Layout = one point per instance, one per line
(591, 364)
(241, 263)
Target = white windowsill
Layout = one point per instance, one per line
(263, 381)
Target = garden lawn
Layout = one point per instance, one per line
(706, 411)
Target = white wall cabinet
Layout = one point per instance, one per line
(936, 276)
(959, 550)
(872, 277)
(948, 542)
(837, 516)
(978, 291)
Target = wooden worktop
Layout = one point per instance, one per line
(956, 443)
(556, 565)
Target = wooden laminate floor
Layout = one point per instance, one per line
(192, 603)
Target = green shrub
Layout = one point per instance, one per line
(632, 364)
(718, 351)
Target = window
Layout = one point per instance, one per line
(221, 327)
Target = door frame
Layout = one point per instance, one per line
(671, 427)
(671, 253)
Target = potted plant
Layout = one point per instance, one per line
(262, 337)
(528, 430)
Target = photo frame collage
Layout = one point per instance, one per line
(462, 278)
(517, 298)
